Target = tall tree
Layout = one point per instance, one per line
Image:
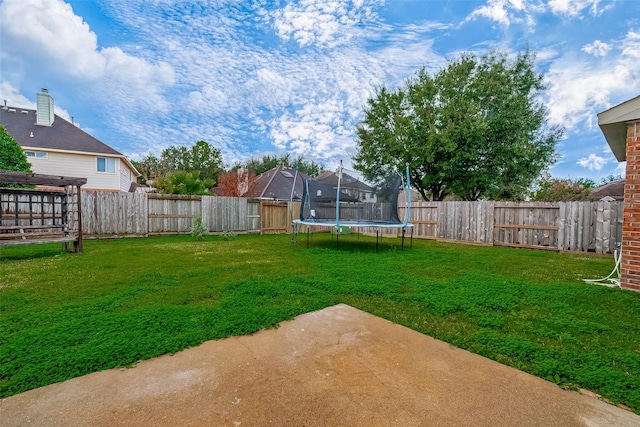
(236, 182)
(550, 189)
(183, 183)
(267, 162)
(204, 158)
(201, 157)
(611, 178)
(12, 158)
(475, 129)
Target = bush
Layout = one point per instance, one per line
(228, 235)
(198, 229)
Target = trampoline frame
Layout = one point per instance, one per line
(378, 225)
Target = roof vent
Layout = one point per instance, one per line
(24, 112)
(31, 135)
(5, 105)
(12, 110)
(44, 107)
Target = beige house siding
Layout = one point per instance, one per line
(126, 176)
(83, 166)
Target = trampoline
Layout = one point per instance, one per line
(341, 199)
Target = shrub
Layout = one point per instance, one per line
(228, 235)
(198, 229)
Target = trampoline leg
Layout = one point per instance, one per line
(403, 231)
(411, 238)
(377, 233)
(308, 235)
(337, 237)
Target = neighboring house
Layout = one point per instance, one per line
(56, 147)
(621, 128)
(348, 184)
(611, 192)
(276, 184)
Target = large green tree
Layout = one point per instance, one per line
(183, 183)
(201, 157)
(475, 129)
(12, 158)
(267, 162)
(550, 189)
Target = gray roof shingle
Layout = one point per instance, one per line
(277, 182)
(613, 189)
(61, 135)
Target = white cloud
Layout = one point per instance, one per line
(246, 97)
(315, 130)
(597, 48)
(593, 162)
(579, 89)
(506, 12)
(631, 46)
(49, 32)
(495, 10)
(574, 8)
(322, 22)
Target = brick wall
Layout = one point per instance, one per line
(630, 265)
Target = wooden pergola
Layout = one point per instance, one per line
(49, 214)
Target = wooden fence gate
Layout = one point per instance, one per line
(169, 213)
(277, 216)
(274, 217)
(526, 225)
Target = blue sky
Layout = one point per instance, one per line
(269, 77)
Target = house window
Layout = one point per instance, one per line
(36, 154)
(106, 164)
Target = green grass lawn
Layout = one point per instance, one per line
(121, 301)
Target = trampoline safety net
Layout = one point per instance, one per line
(342, 199)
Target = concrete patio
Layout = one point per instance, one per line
(334, 367)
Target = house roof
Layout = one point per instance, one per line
(20, 123)
(614, 189)
(347, 181)
(276, 183)
(613, 124)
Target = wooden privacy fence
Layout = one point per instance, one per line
(565, 226)
(142, 214)
(571, 226)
